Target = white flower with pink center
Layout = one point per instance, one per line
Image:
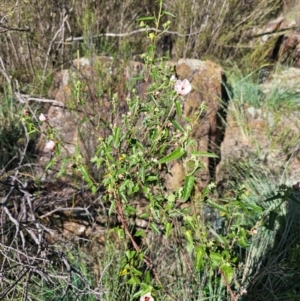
(43, 117)
(50, 145)
(183, 87)
(147, 297)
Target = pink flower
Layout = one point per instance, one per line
(50, 145)
(147, 297)
(183, 87)
(43, 117)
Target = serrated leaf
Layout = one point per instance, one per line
(227, 272)
(176, 154)
(188, 187)
(216, 258)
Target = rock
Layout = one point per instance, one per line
(263, 141)
(206, 78)
(286, 37)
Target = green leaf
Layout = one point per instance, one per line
(205, 192)
(112, 208)
(167, 13)
(242, 242)
(278, 196)
(190, 248)
(125, 185)
(130, 254)
(256, 208)
(116, 136)
(199, 257)
(139, 232)
(58, 149)
(168, 227)
(176, 154)
(189, 237)
(94, 189)
(62, 168)
(152, 178)
(228, 272)
(217, 206)
(178, 108)
(147, 277)
(216, 258)
(142, 174)
(51, 162)
(144, 215)
(109, 156)
(129, 210)
(221, 239)
(154, 227)
(121, 233)
(84, 120)
(177, 125)
(136, 272)
(123, 196)
(85, 174)
(145, 18)
(188, 187)
(134, 280)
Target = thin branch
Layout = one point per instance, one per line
(62, 209)
(126, 34)
(52, 42)
(23, 98)
(8, 28)
(5, 74)
(274, 31)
